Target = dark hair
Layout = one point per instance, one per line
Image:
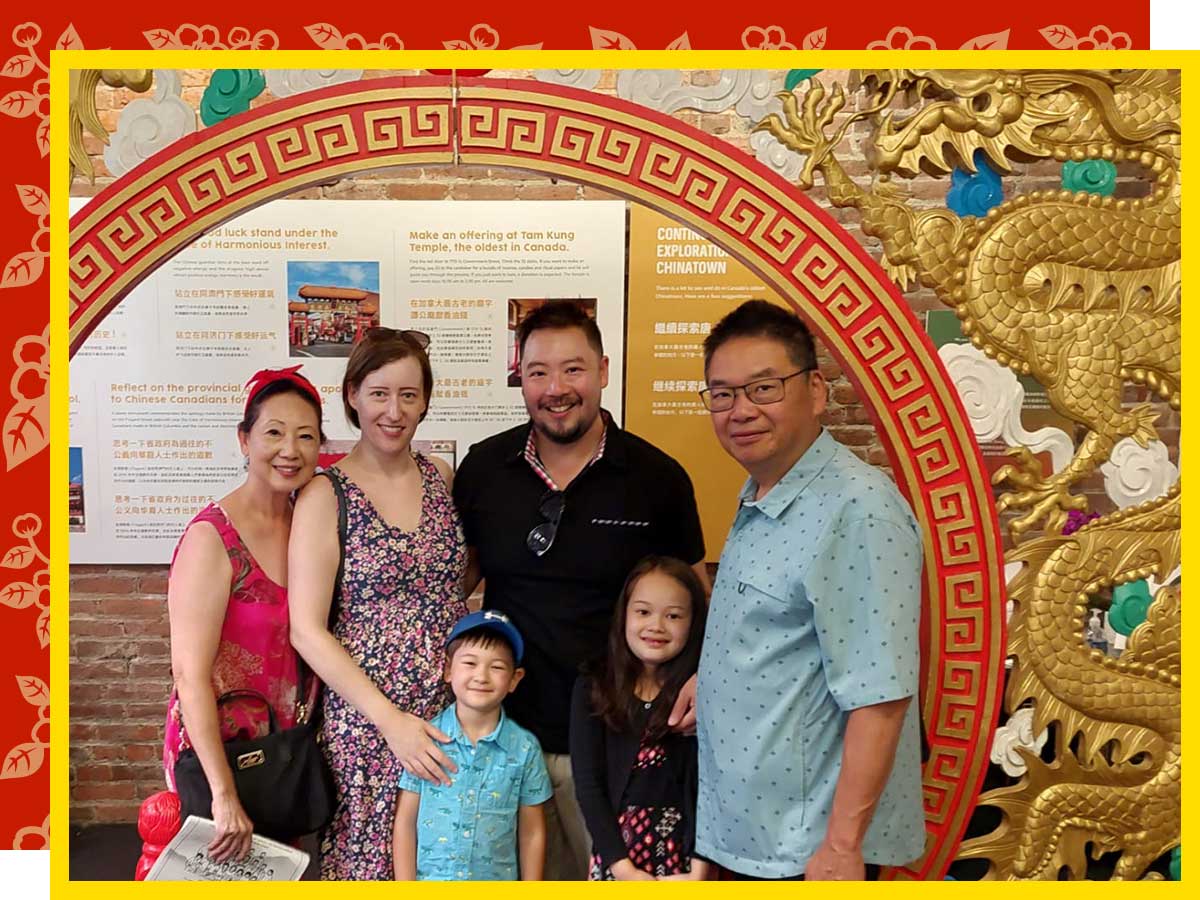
(275, 389)
(758, 318)
(560, 314)
(484, 638)
(613, 697)
(379, 347)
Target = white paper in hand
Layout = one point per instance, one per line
(186, 858)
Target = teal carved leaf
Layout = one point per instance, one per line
(229, 92)
(795, 76)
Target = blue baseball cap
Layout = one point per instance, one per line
(490, 620)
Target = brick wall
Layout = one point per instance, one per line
(120, 678)
(119, 653)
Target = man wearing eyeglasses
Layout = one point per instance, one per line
(809, 739)
(556, 512)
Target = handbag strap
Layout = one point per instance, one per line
(335, 601)
(246, 693)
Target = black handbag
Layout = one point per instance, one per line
(282, 779)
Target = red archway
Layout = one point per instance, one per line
(201, 181)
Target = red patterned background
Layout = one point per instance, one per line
(31, 32)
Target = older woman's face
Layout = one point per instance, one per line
(283, 443)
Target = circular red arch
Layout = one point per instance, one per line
(206, 179)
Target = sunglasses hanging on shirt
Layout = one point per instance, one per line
(541, 537)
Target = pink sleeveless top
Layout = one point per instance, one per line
(255, 652)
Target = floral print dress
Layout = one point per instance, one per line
(401, 594)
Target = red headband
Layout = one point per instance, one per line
(263, 377)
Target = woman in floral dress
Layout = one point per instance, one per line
(383, 656)
(227, 599)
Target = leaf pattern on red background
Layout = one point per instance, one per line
(18, 66)
(69, 40)
(768, 37)
(33, 689)
(26, 428)
(901, 38)
(1060, 37)
(325, 36)
(18, 104)
(34, 199)
(42, 628)
(23, 760)
(605, 39)
(24, 797)
(26, 758)
(18, 595)
(680, 43)
(484, 37)
(208, 37)
(26, 431)
(33, 837)
(996, 41)
(815, 40)
(16, 558)
(329, 37)
(24, 268)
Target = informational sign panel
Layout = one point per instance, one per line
(679, 285)
(156, 391)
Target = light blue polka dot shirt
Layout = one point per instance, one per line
(815, 613)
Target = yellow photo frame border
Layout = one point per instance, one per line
(62, 61)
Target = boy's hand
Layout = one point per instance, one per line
(413, 741)
(683, 713)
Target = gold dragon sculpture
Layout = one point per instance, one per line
(1083, 293)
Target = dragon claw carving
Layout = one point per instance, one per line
(1048, 499)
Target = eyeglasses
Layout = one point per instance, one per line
(759, 392)
(420, 338)
(541, 538)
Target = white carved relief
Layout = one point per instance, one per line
(665, 91)
(1135, 474)
(287, 82)
(149, 124)
(771, 153)
(1016, 733)
(992, 397)
(584, 79)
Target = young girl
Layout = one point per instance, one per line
(635, 779)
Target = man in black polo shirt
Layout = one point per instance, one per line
(556, 512)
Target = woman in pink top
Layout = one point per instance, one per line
(227, 598)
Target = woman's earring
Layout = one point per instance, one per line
(246, 463)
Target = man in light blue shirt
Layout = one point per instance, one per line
(809, 739)
(474, 828)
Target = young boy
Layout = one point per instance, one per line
(475, 829)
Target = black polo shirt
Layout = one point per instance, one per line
(633, 501)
